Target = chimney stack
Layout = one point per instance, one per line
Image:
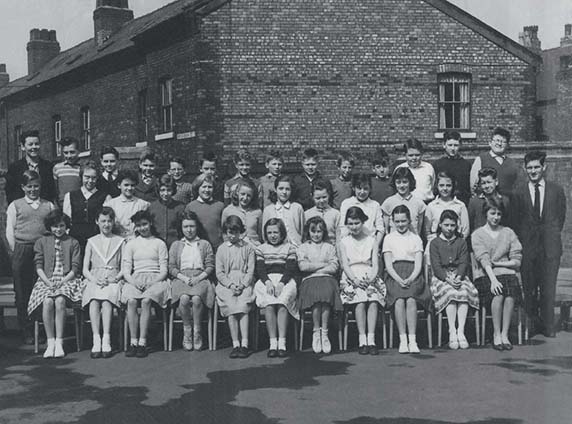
(42, 47)
(529, 38)
(567, 39)
(108, 17)
(4, 77)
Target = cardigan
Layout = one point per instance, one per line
(447, 255)
(175, 256)
(487, 249)
(45, 255)
(232, 258)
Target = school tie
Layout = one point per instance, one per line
(537, 200)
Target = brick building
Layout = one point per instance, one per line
(218, 74)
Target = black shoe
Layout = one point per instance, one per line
(234, 353)
(282, 353)
(243, 352)
(507, 346)
(106, 355)
(363, 350)
(141, 352)
(272, 353)
(96, 355)
(498, 347)
(131, 351)
(373, 350)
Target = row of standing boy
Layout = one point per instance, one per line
(244, 190)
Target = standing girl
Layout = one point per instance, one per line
(403, 183)
(498, 253)
(235, 261)
(360, 284)
(291, 213)
(450, 285)
(57, 258)
(319, 290)
(322, 209)
(126, 204)
(166, 210)
(102, 272)
(275, 289)
(144, 268)
(244, 198)
(191, 263)
(403, 256)
(24, 226)
(445, 186)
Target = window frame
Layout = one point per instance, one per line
(57, 134)
(18, 131)
(166, 105)
(85, 113)
(460, 102)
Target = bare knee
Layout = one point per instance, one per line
(196, 300)
(60, 303)
(184, 300)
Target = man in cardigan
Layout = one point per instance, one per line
(540, 207)
(496, 158)
(30, 144)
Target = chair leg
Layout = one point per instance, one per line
(215, 326)
(295, 328)
(171, 324)
(390, 329)
(439, 329)
(477, 329)
(301, 344)
(346, 319)
(256, 327)
(430, 329)
(165, 329)
(340, 331)
(383, 329)
(483, 325)
(36, 336)
(120, 327)
(77, 321)
(210, 328)
(125, 331)
(519, 326)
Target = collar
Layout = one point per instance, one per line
(71, 165)
(445, 202)
(270, 175)
(85, 191)
(442, 237)
(31, 164)
(344, 180)
(494, 155)
(541, 183)
(125, 199)
(279, 205)
(106, 174)
(408, 198)
(456, 157)
(206, 202)
(147, 180)
(324, 210)
(192, 242)
(32, 202)
(238, 243)
(314, 177)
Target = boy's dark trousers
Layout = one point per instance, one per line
(24, 275)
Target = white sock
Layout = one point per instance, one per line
(273, 344)
(370, 339)
(59, 341)
(96, 342)
(50, 342)
(235, 343)
(187, 330)
(324, 331)
(403, 338)
(316, 329)
(282, 343)
(133, 342)
(142, 341)
(412, 338)
(362, 340)
(245, 342)
(106, 339)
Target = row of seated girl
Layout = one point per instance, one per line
(148, 274)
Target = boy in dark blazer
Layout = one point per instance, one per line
(541, 211)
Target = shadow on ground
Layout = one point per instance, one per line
(370, 420)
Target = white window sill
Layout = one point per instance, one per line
(141, 144)
(85, 154)
(165, 136)
(464, 135)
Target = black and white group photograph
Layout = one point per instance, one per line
(286, 211)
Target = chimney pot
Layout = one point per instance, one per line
(529, 38)
(567, 39)
(108, 17)
(4, 77)
(42, 47)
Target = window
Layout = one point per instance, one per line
(143, 126)
(454, 101)
(166, 105)
(57, 133)
(86, 128)
(17, 136)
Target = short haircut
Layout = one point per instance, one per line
(360, 180)
(148, 155)
(177, 159)
(493, 202)
(355, 212)
(233, 224)
(68, 141)
(90, 164)
(274, 155)
(535, 155)
(281, 228)
(316, 221)
(445, 174)
(242, 155)
(30, 133)
(321, 184)
(251, 186)
(142, 215)
(108, 150)
(202, 178)
(165, 180)
(451, 135)
(192, 216)
(345, 157)
(403, 173)
(503, 133)
(29, 176)
(452, 215)
(106, 211)
(54, 218)
(487, 172)
(127, 174)
(401, 209)
(209, 157)
(413, 143)
(273, 196)
(380, 157)
(309, 153)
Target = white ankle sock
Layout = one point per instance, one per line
(370, 339)
(244, 342)
(362, 340)
(282, 343)
(96, 343)
(325, 331)
(235, 343)
(133, 342)
(142, 341)
(403, 338)
(273, 344)
(412, 338)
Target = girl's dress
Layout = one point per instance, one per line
(451, 256)
(105, 263)
(322, 286)
(436, 208)
(191, 258)
(487, 249)
(146, 257)
(358, 255)
(57, 257)
(252, 220)
(277, 264)
(404, 248)
(124, 209)
(234, 264)
(292, 214)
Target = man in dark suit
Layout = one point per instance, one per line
(30, 145)
(541, 210)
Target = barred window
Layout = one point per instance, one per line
(166, 105)
(57, 133)
(86, 127)
(454, 101)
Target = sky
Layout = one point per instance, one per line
(73, 21)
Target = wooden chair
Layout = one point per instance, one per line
(210, 327)
(7, 298)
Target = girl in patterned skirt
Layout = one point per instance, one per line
(57, 259)
(275, 289)
(144, 268)
(102, 274)
(450, 285)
